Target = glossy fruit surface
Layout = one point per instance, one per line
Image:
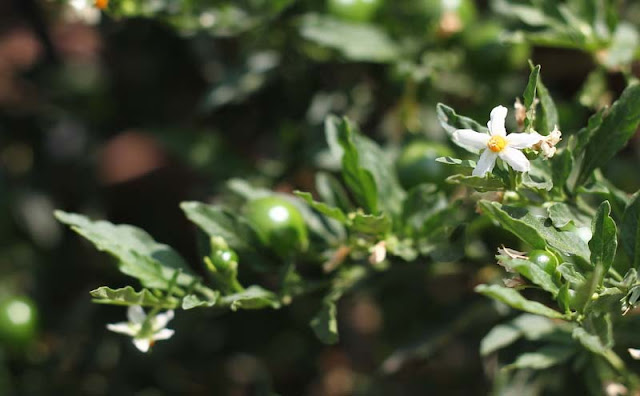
(279, 224)
(545, 260)
(18, 320)
(417, 163)
(354, 10)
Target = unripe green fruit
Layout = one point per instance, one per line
(279, 225)
(18, 320)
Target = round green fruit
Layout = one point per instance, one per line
(417, 163)
(354, 10)
(279, 224)
(545, 260)
(18, 320)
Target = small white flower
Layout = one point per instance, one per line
(378, 253)
(145, 331)
(635, 353)
(547, 144)
(497, 144)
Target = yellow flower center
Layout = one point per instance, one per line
(496, 143)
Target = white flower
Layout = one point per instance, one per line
(378, 253)
(635, 353)
(497, 144)
(144, 330)
(547, 144)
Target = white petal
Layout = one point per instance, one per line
(496, 124)
(470, 139)
(163, 334)
(161, 320)
(122, 328)
(136, 314)
(523, 140)
(635, 353)
(515, 159)
(485, 164)
(143, 344)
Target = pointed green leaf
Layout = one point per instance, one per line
(617, 127)
(535, 231)
(254, 297)
(545, 357)
(530, 271)
(547, 117)
(630, 230)
(191, 301)
(515, 300)
(128, 296)
(530, 96)
(330, 211)
(604, 242)
(325, 324)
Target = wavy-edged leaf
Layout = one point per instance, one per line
(139, 256)
(129, 296)
(535, 231)
(254, 297)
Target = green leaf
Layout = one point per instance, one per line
(515, 300)
(191, 301)
(604, 242)
(325, 324)
(530, 96)
(545, 357)
(561, 167)
(330, 211)
(128, 296)
(535, 231)
(593, 344)
(489, 182)
(617, 127)
(366, 170)
(630, 230)
(547, 117)
(254, 297)
(499, 337)
(516, 220)
(536, 182)
(570, 274)
(457, 162)
(357, 42)
(530, 271)
(370, 224)
(218, 222)
(562, 214)
(139, 256)
(331, 191)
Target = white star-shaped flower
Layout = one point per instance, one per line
(145, 331)
(497, 144)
